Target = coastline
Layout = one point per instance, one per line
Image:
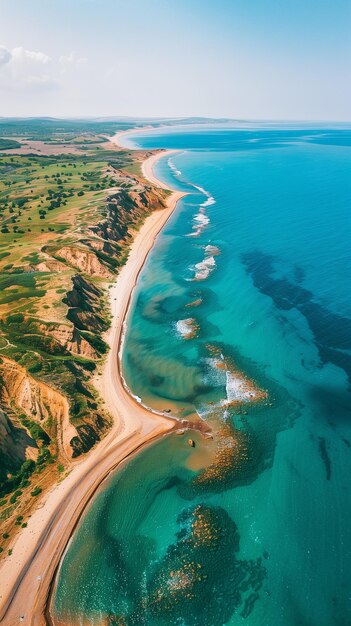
(37, 551)
(147, 166)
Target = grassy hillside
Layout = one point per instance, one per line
(66, 222)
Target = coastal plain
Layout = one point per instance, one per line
(70, 224)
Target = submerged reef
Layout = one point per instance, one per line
(200, 580)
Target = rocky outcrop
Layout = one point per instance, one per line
(50, 265)
(69, 337)
(125, 209)
(38, 401)
(16, 446)
(84, 302)
(49, 336)
(83, 260)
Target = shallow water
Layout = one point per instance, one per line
(260, 249)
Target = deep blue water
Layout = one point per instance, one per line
(275, 300)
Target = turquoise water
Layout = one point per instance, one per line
(263, 538)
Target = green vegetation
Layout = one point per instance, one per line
(36, 431)
(66, 218)
(8, 144)
(19, 479)
(55, 131)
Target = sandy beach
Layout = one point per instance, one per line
(26, 575)
(121, 135)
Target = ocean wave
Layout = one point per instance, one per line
(187, 328)
(201, 219)
(204, 268)
(237, 389)
(174, 168)
(210, 200)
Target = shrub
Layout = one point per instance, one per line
(15, 495)
(17, 318)
(36, 491)
(36, 367)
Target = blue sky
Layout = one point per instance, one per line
(256, 59)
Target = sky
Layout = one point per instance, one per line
(246, 59)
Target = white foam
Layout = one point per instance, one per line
(204, 268)
(202, 412)
(202, 218)
(201, 221)
(215, 375)
(236, 389)
(210, 200)
(185, 327)
(202, 190)
(174, 168)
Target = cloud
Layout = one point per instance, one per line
(5, 56)
(23, 69)
(21, 55)
(72, 61)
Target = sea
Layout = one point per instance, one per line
(241, 327)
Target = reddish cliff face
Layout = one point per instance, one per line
(39, 402)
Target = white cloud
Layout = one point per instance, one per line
(72, 61)
(5, 56)
(23, 69)
(21, 55)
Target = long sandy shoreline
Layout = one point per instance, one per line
(26, 575)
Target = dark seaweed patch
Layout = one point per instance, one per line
(332, 332)
(199, 571)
